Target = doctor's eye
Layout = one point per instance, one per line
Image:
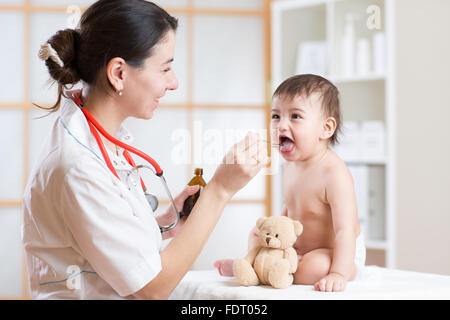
(267, 233)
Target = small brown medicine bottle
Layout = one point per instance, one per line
(191, 200)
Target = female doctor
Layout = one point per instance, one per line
(82, 223)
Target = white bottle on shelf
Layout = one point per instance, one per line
(363, 57)
(349, 148)
(348, 46)
(373, 140)
(379, 53)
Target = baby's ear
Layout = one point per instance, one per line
(329, 126)
(298, 228)
(260, 222)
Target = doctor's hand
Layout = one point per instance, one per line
(169, 217)
(241, 164)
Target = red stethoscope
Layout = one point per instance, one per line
(153, 201)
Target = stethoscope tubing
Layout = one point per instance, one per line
(94, 126)
(125, 146)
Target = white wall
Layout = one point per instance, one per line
(423, 134)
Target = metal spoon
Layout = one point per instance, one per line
(273, 145)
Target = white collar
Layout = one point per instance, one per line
(72, 116)
(75, 122)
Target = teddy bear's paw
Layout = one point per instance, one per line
(279, 276)
(244, 273)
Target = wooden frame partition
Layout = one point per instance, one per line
(190, 11)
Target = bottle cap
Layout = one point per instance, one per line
(198, 171)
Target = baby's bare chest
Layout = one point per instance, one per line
(305, 197)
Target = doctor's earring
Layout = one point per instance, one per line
(119, 92)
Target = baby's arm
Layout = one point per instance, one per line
(341, 197)
(284, 211)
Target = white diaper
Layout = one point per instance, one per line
(360, 253)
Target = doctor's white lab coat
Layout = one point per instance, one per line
(86, 234)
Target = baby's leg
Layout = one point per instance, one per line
(313, 266)
(225, 267)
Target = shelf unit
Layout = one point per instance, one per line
(366, 95)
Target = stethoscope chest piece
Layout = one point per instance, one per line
(152, 200)
(132, 180)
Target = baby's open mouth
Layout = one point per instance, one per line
(286, 144)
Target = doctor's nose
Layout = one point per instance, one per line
(173, 82)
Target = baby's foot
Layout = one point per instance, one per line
(225, 267)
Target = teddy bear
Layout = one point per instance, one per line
(274, 260)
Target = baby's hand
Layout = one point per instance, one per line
(331, 283)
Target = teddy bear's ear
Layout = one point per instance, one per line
(260, 222)
(298, 228)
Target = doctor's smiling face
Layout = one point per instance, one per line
(143, 87)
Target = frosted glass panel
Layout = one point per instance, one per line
(164, 139)
(11, 1)
(39, 130)
(215, 131)
(11, 33)
(61, 3)
(43, 27)
(11, 270)
(230, 4)
(11, 161)
(229, 240)
(179, 65)
(228, 60)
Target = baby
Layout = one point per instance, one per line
(318, 187)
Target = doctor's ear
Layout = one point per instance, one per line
(329, 126)
(115, 72)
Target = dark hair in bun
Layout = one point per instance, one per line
(65, 43)
(109, 28)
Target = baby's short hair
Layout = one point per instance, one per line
(305, 85)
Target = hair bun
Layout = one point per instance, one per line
(59, 54)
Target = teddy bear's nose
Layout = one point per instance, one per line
(267, 240)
